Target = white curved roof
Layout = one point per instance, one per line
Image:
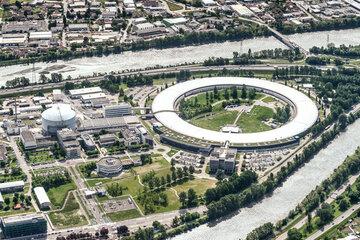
(58, 113)
(305, 116)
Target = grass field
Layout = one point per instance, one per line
(200, 185)
(252, 122)
(123, 215)
(40, 157)
(173, 203)
(57, 195)
(268, 99)
(172, 152)
(69, 216)
(216, 121)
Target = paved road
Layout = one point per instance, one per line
(329, 200)
(336, 221)
(193, 68)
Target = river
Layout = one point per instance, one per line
(285, 198)
(172, 56)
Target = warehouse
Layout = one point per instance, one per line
(42, 198)
(76, 93)
(15, 186)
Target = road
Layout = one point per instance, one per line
(329, 200)
(336, 221)
(149, 72)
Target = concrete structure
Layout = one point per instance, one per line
(87, 142)
(69, 143)
(28, 139)
(98, 124)
(109, 166)
(57, 117)
(22, 226)
(107, 140)
(119, 110)
(88, 98)
(305, 111)
(223, 158)
(132, 136)
(1, 199)
(42, 197)
(15, 186)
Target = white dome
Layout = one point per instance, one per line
(59, 113)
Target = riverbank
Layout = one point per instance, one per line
(171, 56)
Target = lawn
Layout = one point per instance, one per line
(58, 195)
(172, 152)
(40, 157)
(200, 185)
(173, 203)
(268, 99)
(216, 121)
(252, 122)
(123, 215)
(70, 216)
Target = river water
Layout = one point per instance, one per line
(172, 56)
(285, 198)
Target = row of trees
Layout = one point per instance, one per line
(342, 50)
(51, 180)
(232, 202)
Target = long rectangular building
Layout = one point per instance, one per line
(76, 93)
(12, 186)
(22, 226)
(42, 197)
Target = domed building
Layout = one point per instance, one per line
(57, 117)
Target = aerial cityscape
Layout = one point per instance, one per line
(180, 119)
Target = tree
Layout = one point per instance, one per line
(7, 200)
(342, 121)
(234, 93)
(294, 234)
(325, 214)
(243, 92)
(122, 230)
(168, 179)
(183, 199)
(192, 198)
(104, 231)
(344, 204)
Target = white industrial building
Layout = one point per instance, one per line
(305, 110)
(77, 93)
(42, 197)
(122, 109)
(57, 117)
(28, 139)
(12, 186)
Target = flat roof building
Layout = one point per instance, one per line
(22, 226)
(42, 197)
(28, 139)
(118, 110)
(15, 186)
(76, 93)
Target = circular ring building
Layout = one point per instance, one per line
(305, 112)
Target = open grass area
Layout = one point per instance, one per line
(123, 215)
(252, 122)
(173, 203)
(71, 215)
(173, 6)
(200, 185)
(40, 157)
(268, 99)
(58, 195)
(172, 152)
(216, 121)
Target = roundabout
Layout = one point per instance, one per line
(305, 113)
